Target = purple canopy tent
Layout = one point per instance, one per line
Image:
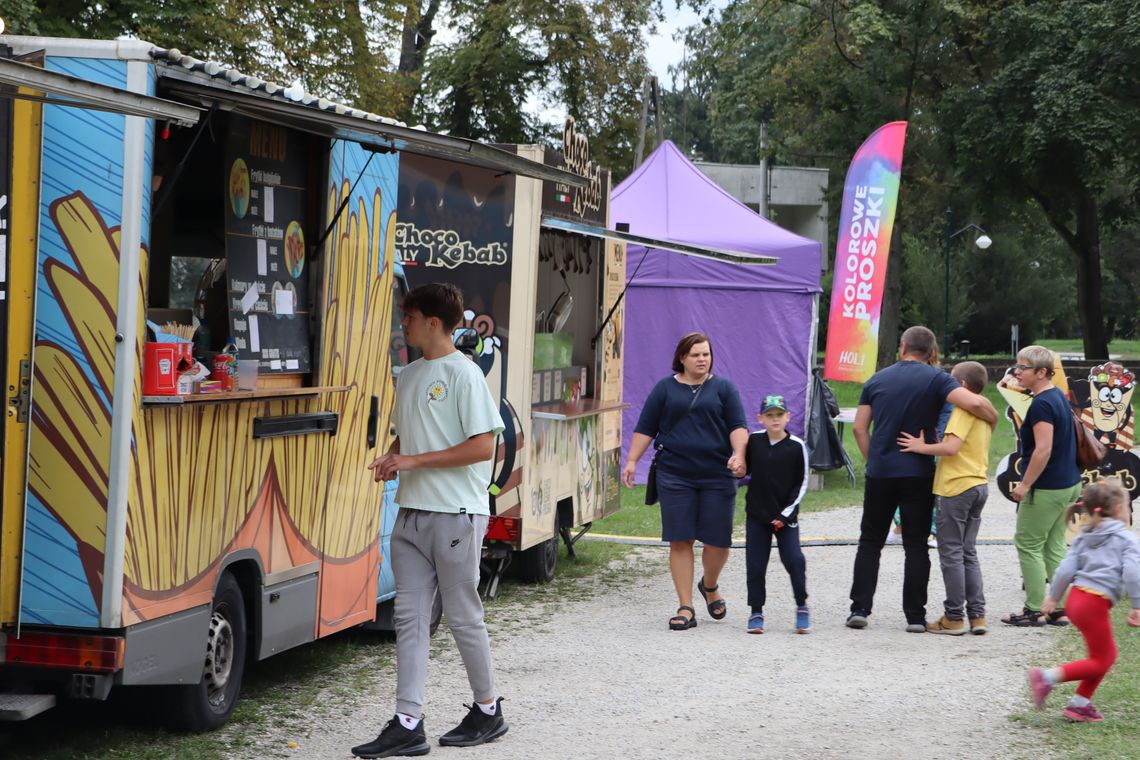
(761, 319)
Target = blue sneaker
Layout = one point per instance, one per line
(756, 622)
(803, 620)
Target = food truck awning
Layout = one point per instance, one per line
(64, 90)
(689, 249)
(210, 84)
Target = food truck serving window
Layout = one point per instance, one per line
(235, 213)
(265, 233)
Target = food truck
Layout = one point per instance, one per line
(544, 317)
(162, 526)
(146, 531)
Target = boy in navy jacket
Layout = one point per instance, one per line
(778, 463)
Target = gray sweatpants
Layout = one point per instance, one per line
(959, 519)
(430, 551)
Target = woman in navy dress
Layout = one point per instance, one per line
(695, 423)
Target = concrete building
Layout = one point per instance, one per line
(796, 197)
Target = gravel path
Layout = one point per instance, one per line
(602, 677)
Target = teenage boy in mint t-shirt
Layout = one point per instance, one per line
(446, 423)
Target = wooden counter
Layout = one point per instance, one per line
(261, 394)
(571, 410)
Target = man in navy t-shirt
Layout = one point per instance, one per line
(905, 397)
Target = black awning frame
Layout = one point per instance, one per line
(63, 90)
(689, 249)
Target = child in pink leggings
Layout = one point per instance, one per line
(1103, 562)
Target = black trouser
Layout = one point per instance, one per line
(915, 500)
(757, 550)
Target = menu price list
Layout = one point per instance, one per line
(265, 245)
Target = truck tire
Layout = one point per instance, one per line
(537, 564)
(208, 704)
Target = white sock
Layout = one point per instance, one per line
(408, 721)
(1052, 675)
(1079, 701)
(490, 709)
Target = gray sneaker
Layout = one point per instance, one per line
(919, 627)
(857, 619)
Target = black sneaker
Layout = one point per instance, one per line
(857, 619)
(477, 727)
(395, 741)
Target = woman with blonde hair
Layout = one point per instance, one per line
(1050, 482)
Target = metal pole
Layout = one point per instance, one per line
(946, 302)
(763, 205)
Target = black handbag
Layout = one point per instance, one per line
(651, 483)
(651, 480)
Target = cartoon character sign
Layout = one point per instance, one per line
(1110, 405)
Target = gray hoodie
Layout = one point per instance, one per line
(1106, 560)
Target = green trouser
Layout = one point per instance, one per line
(1040, 538)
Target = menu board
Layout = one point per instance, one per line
(265, 169)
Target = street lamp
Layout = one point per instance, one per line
(983, 241)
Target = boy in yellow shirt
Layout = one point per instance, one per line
(960, 486)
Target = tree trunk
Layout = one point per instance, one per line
(1085, 245)
(417, 36)
(889, 311)
(1087, 249)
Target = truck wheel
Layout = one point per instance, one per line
(536, 564)
(209, 703)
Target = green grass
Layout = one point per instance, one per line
(637, 519)
(1002, 442)
(1128, 349)
(1118, 698)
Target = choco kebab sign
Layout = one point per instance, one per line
(867, 215)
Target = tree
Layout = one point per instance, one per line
(1047, 114)
(336, 49)
(1121, 299)
(21, 17)
(826, 75)
(511, 70)
(1009, 103)
(509, 60)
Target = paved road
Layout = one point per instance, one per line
(602, 677)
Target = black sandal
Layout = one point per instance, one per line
(681, 623)
(1057, 617)
(717, 609)
(1027, 618)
